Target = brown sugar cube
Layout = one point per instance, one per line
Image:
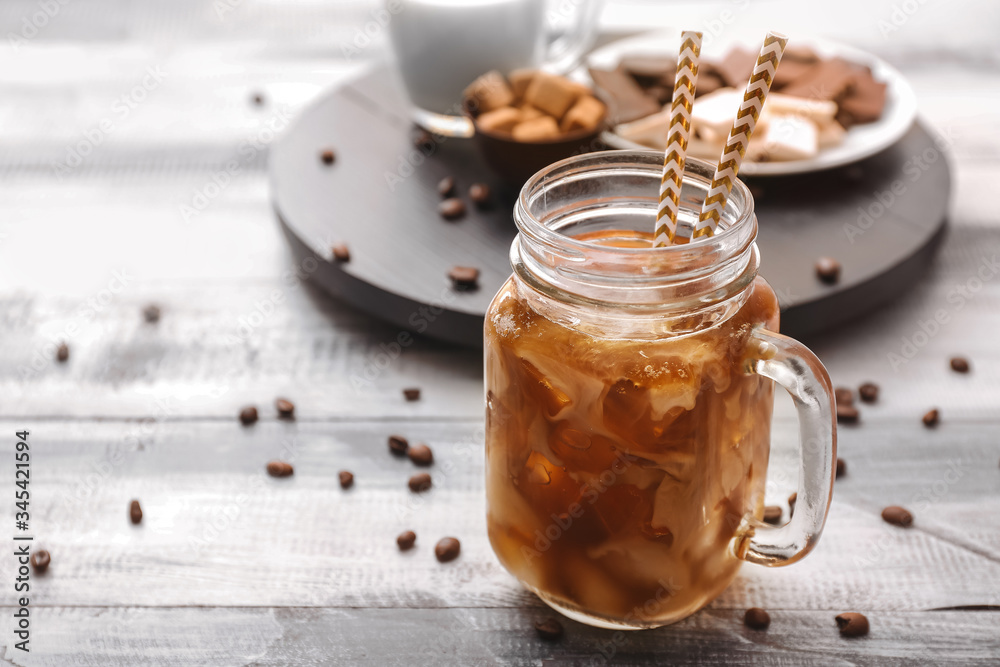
(489, 92)
(552, 94)
(585, 114)
(529, 112)
(539, 129)
(499, 120)
(865, 102)
(519, 81)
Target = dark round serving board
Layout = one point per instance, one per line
(380, 198)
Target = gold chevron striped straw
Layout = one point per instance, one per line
(739, 137)
(678, 133)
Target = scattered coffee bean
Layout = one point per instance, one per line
(328, 157)
(932, 418)
(549, 628)
(411, 393)
(447, 549)
(258, 99)
(420, 482)
(844, 396)
(40, 560)
(756, 619)
(346, 479)
(847, 414)
(772, 514)
(897, 516)
(421, 455)
(248, 415)
(451, 208)
(464, 277)
(424, 141)
(791, 503)
(279, 469)
(960, 364)
(446, 186)
(868, 392)
(841, 468)
(828, 270)
(151, 313)
(62, 352)
(286, 409)
(135, 512)
(406, 540)
(341, 253)
(480, 194)
(852, 624)
(398, 444)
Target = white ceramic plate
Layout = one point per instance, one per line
(860, 141)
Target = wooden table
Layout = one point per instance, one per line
(232, 567)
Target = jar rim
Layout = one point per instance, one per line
(645, 160)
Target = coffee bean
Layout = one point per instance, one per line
(549, 628)
(135, 511)
(424, 141)
(772, 514)
(341, 253)
(932, 418)
(841, 468)
(420, 482)
(286, 409)
(151, 313)
(852, 624)
(248, 415)
(258, 99)
(844, 396)
(398, 444)
(960, 364)
(328, 157)
(279, 469)
(756, 619)
(447, 549)
(847, 414)
(411, 393)
(828, 270)
(446, 186)
(406, 540)
(62, 352)
(480, 194)
(791, 503)
(897, 516)
(40, 560)
(464, 277)
(421, 455)
(868, 392)
(346, 479)
(451, 209)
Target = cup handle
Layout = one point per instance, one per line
(564, 53)
(793, 366)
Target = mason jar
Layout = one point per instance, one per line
(629, 392)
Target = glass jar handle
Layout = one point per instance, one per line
(793, 366)
(564, 53)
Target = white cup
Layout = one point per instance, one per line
(441, 46)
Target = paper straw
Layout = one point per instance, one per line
(739, 136)
(678, 134)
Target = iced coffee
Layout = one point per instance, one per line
(621, 472)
